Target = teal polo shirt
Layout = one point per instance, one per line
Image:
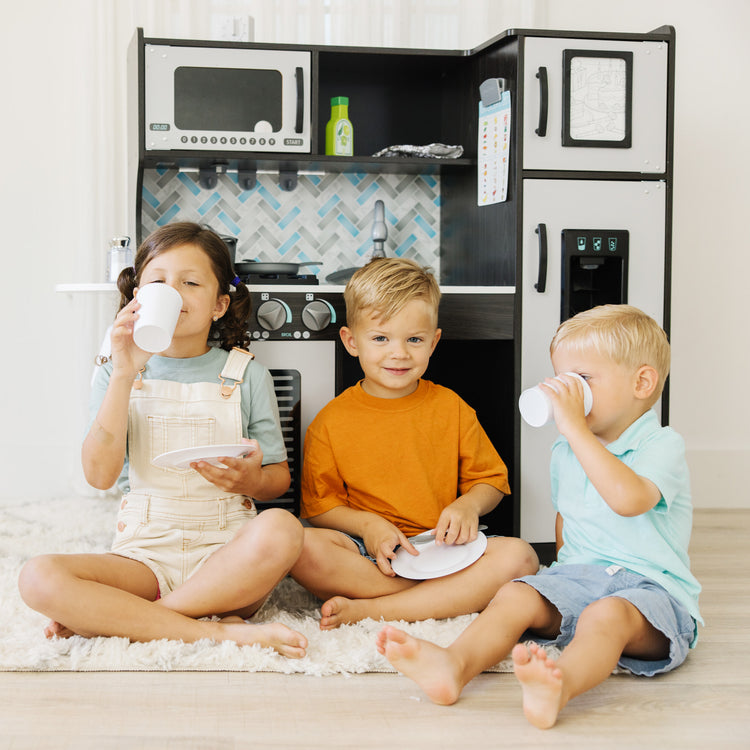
(653, 544)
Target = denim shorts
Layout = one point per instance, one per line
(360, 546)
(571, 588)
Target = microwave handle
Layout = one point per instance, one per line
(300, 79)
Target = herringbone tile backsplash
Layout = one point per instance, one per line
(326, 218)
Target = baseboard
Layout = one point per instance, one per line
(719, 478)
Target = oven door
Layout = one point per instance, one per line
(220, 99)
(304, 374)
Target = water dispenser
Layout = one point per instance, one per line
(594, 269)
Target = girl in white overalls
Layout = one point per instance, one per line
(189, 542)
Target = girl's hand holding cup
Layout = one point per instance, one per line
(125, 354)
(145, 325)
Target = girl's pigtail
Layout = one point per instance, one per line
(126, 285)
(231, 329)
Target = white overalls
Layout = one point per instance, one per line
(172, 520)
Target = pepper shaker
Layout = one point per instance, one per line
(119, 257)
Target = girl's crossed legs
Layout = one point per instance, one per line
(110, 595)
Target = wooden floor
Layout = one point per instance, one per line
(704, 704)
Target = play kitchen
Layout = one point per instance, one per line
(533, 174)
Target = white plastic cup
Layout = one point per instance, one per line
(157, 317)
(536, 408)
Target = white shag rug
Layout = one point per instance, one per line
(71, 525)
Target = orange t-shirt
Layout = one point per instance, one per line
(405, 459)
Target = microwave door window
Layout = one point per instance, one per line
(226, 99)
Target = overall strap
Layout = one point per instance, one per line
(234, 369)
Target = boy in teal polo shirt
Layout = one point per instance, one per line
(621, 591)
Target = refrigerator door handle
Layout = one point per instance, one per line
(541, 74)
(541, 282)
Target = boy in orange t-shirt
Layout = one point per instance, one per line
(395, 456)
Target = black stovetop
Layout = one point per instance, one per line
(258, 279)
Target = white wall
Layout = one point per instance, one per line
(64, 194)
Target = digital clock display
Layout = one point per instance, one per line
(160, 126)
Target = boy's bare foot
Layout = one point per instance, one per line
(57, 630)
(339, 610)
(429, 665)
(542, 684)
(279, 637)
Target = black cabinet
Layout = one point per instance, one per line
(396, 97)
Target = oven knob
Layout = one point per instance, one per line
(272, 314)
(317, 315)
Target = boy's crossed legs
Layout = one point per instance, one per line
(606, 629)
(353, 587)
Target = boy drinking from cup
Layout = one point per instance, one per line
(621, 591)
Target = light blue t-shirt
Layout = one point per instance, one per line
(653, 544)
(260, 411)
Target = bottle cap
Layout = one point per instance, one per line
(338, 100)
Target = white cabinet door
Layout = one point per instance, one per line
(594, 96)
(639, 208)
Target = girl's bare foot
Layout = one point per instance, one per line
(57, 630)
(279, 637)
(339, 610)
(542, 684)
(429, 665)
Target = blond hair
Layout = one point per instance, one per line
(622, 333)
(385, 285)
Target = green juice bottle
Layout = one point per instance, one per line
(339, 131)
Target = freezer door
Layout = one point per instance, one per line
(550, 206)
(595, 105)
